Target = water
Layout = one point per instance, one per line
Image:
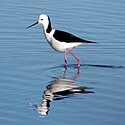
(28, 64)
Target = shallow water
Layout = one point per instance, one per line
(28, 64)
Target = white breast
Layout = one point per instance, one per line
(49, 35)
(57, 45)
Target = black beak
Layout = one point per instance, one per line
(32, 25)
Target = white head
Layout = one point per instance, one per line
(45, 21)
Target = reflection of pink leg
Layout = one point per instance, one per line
(75, 58)
(64, 75)
(65, 59)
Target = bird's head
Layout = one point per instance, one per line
(43, 19)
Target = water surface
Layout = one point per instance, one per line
(28, 64)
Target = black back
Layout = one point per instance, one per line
(63, 36)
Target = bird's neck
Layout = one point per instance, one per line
(48, 27)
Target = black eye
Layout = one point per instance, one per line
(41, 19)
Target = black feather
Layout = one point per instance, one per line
(48, 30)
(63, 36)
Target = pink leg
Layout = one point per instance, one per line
(75, 57)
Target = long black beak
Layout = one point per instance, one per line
(32, 25)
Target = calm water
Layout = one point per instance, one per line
(34, 86)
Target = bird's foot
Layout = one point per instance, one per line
(78, 66)
(78, 72)
(65, 66)
(78, 63)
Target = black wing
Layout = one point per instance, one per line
(69, 38)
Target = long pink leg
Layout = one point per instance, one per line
(75, 57)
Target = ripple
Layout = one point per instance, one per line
(27, 66)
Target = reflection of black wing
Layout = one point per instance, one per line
(67, 37)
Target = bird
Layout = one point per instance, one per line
(59, 88)
(59, 40)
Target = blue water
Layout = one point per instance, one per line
(28, 64)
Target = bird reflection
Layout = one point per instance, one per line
(58, 89)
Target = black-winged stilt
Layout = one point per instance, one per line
(60, 40)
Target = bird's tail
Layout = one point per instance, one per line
(90, 41)
(81, 89)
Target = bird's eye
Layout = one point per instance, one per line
(41, 19)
